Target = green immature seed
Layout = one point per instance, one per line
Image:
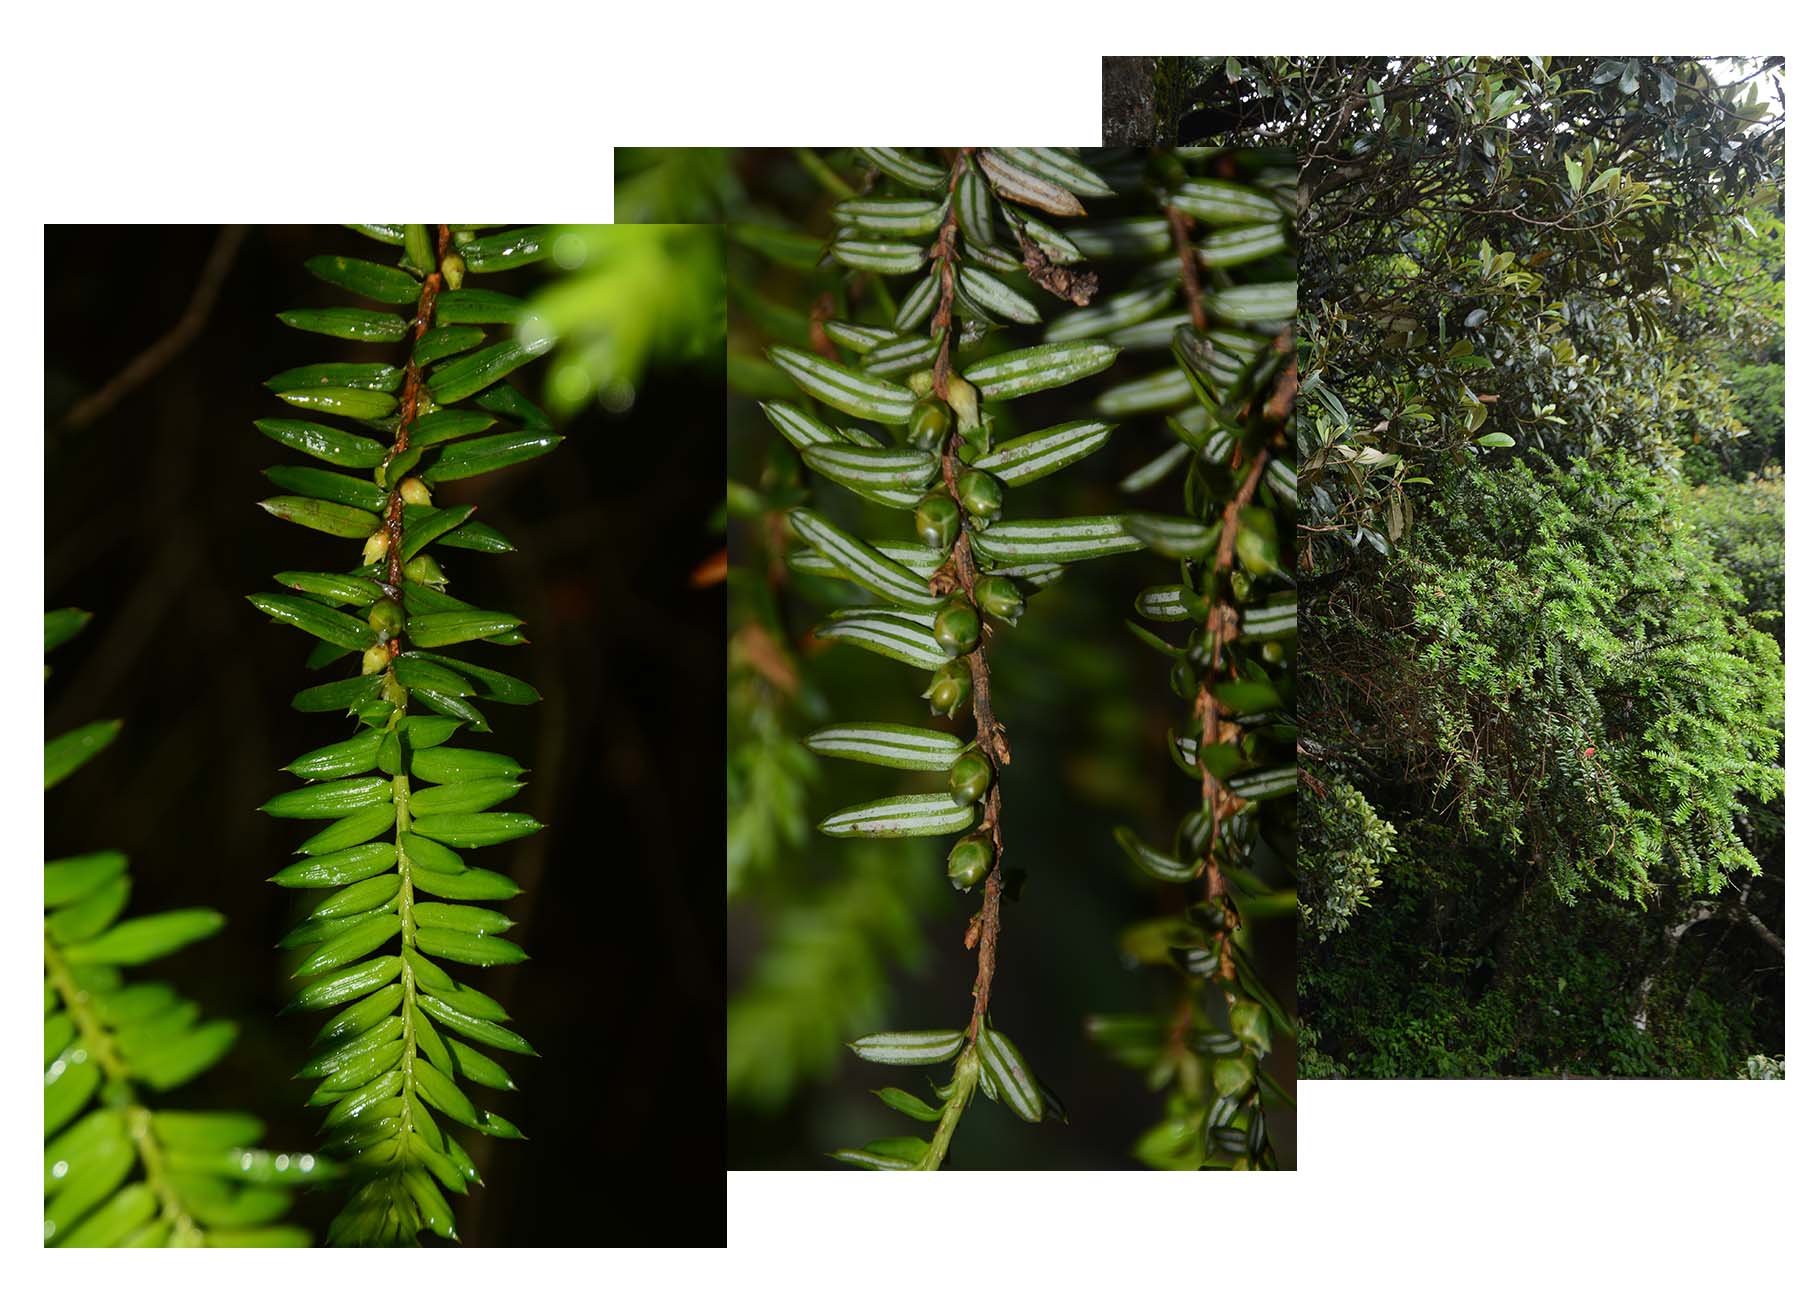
(969, 862)
(957, 626)
(928, 424)
(938, 520)
(970, 776)
(1233, 1075)
(1000, 598)
(966, 402)
(981, 495)
(1250, 1024)
(424, 571)
(950, 686)
(386, 617)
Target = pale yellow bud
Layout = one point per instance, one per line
(415, 492)
(966, 402)
(377, 545)
(377, 658)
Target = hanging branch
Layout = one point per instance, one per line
(404, 1028)
(973, 568)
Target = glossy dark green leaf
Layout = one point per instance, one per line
(145, 938)
(452, 628)
(373, 376)
(475, 829)
(481, 537)
(468, 949)
(347, 985)
(480, 1068)
(420, 674)
(507, 400)
(316, 619)
(423, 525)
(446, 425)
(468, 920)
(347, 322)
(322, 516)
(439, 1091)
(350, 831)
(498, 687)
(347, 450)
(482, 455)
(336, 696)
(452, 706)
(355, 899)
(444, 341)
(428, 732)
(464, 796)
(341, 588)
(478, 307)
(457, 380)
(465, 885)
(362, 1016)
(347, 758)
(69, 751)
(323, 484)
(348, 403)
(330, 800)
(510, 249)
(366, 279)
(356, 940)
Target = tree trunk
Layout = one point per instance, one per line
(1128, 109)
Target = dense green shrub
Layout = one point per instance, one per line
(1345, 848)
(1527, 285)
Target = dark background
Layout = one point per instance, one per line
(152, 524)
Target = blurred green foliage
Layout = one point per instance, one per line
(627, 298)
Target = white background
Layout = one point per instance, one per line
(319, 112)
